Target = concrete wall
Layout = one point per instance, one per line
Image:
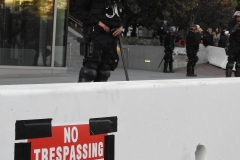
(143, 57)
(149, 57)
(169, 120)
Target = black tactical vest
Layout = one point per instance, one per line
(236, 36)
(190, 40)
(108, 11)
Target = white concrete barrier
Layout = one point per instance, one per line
(173, 119)
(180, 57)
(216, 56)
(202, 54)
(180, 51)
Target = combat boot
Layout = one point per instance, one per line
(228, 72)
(165, 67)
(171, 68)
(193, 75)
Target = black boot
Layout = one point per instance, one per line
(229, 68)
(237, 67)
(228, 72)
(193, 75)
(170, 67)
(165, 67)
(102, 76)
(189, 70)
(189, 73)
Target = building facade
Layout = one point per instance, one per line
(33, 35)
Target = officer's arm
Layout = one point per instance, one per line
(82, 13)
(118, 31)
(196, 41)
(234, 29)
(123, 19)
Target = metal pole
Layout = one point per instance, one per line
(123, 59)
(70, 53)
(161, 62)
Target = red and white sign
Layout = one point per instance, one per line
(71, 142)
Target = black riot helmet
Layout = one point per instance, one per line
(112, 2)
(193, 27)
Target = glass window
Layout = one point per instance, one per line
(26, 32)
(61, 34)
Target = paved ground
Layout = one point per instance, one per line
(202, 70)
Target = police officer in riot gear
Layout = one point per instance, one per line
(103, 21)
(192, 47)
(161, 32)
(169, 46)
(234, 46)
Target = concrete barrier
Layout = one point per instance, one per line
(216, 56)
(149, 57)
(143, 57)
(173, 119)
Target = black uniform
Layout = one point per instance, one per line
(234, 50)
(101, 56)
(192, 47)
(162, 31)
(223, 40)
(168, 59)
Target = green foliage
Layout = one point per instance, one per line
(181, 13)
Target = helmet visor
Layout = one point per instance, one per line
(237, 13)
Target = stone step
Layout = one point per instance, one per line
(76, 59)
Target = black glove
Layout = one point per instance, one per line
(234, 28)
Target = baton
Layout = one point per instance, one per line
(161, 62)
(123, 59)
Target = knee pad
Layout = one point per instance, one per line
(103, 73)
(237, 65)
(195, 59)
(102, 76)
(87, 74)
(230, 65)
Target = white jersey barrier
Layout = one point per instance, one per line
(214, 55)
(217, 56)
(170, 120)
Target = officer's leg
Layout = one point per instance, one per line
(165, 66)
(230, 64)
(237, 67)
(109, 59)
(189, 68)
(166, 59)
(88, 72)
(229, 68)
(103, 73)
(171, 65)
(188, 63)
(195, 59)
(232, 57)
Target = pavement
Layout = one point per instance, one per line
(71, 76)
